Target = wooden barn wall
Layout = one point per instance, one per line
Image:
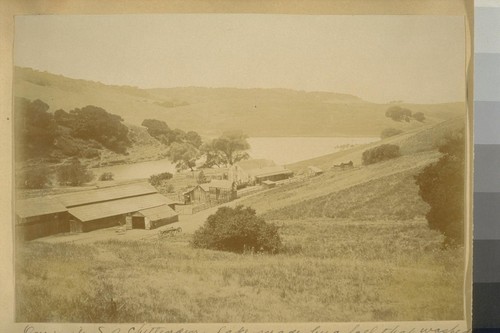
(107, 222)
(42, 226)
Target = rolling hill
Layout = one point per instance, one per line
(210, 111)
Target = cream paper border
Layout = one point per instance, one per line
(10, 8)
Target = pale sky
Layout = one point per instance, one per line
(418, 59)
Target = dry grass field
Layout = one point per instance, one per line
(332, 270)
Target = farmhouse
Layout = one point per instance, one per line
(255, 171)
(214, 192)
(137, 205)
(40, 217)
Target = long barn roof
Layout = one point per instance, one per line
(158, 213)
(117, 207)
(105, 194)
(38, 206)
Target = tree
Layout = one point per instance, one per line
(94, 123)
(184, 155)
(237, 230)
(380, 153)
(419, 116)
(193, 138)
(73, 173)
(233, 145)
(441, 185)
(35, 128)
(388, 132)
(158, 179)
(398, 113)
(213, 156)
(202, 179)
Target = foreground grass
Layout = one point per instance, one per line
(332, 270)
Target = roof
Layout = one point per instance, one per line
(315, 169)
(271, 171)
(105, 194)
(268, 182)
(252, 164)
(117, 207)
(158, 213)
(38, 206)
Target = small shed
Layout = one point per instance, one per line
(155, 217)
(213, 192)
(197, 194)
(314, 171)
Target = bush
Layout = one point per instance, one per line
(419, 116)
(106, 176)
(73, 173)
(441, 185)
(380, 153)
(388, 132)
(34, 178)
(156, 180)
(237, 230)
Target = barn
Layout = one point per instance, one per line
(40, 217)
(118, 205)
(255, 171)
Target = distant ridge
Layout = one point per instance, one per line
(211, 111)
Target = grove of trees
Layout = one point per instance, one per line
(73, 173)
(398, 113)
(441, 185)
(388, 132)
(237, 230)
(380, 153)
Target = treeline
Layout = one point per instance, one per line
(79, 132)
(399, 114)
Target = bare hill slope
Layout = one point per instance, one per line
(210, 111)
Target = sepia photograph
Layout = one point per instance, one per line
(239, 168)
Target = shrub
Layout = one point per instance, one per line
(380, 153)
(419, 116)
(237, 230)
(388, 132)
(441, 185)
(156, 180)
(106, 176)
(34, 178)
(73, 173)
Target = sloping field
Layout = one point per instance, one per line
(384, 190)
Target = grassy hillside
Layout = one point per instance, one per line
(384, 190)
(210, 111)
(334, 270)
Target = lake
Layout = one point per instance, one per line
(282, 150)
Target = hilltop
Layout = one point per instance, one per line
(210, 111)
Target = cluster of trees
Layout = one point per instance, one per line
(237, 230)
(161, 131)
(159, 178)
(35, 129)
(73, 173)
(185, 148)
(441, 185)
(398, 113)
(94, 123)
(380, 153)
